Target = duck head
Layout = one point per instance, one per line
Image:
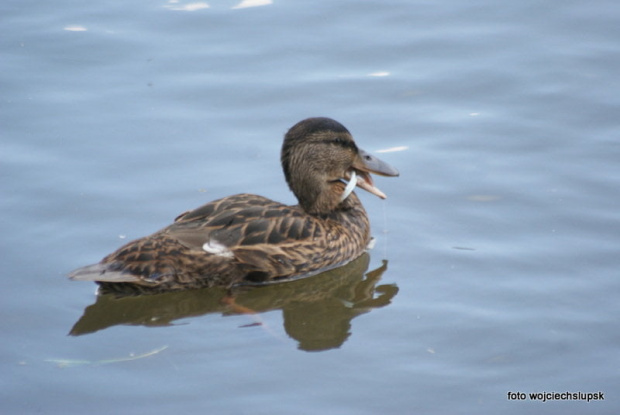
(322, 164)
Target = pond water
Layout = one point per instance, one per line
(496, 267)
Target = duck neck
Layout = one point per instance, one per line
(351, 219)
(327, 202)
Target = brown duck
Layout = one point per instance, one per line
(249, 239)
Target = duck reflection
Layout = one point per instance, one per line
(317, 311)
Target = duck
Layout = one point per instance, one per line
(246, 239)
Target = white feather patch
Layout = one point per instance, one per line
(350, 186)
(371, 244)
(216, 248)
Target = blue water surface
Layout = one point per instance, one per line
(501, 236)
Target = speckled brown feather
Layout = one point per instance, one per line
(247, 238)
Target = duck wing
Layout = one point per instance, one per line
(264, 238)
(171, 250)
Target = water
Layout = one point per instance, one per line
(501, 236)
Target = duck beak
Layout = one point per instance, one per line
(364, 164)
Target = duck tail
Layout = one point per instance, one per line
(101, 273)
